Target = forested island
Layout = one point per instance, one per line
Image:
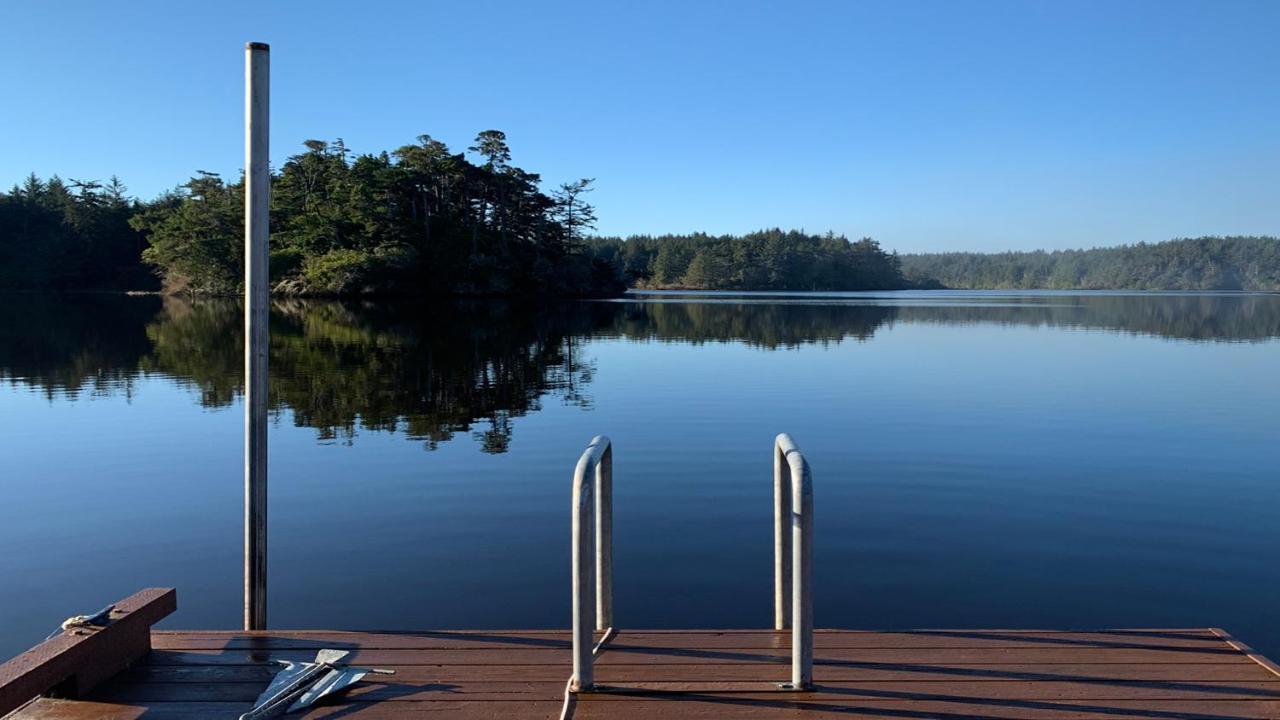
(424, 220)
(417, 220)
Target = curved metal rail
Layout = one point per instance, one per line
(793, 556)
(592, 508)
(592, 533)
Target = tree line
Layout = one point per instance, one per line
(420, 219)
(71, 234)
(423, 219)
(764, 260)
(1204, 263)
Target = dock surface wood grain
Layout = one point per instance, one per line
(952, 674)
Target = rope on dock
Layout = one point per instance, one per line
(99, 619)
(570, 699)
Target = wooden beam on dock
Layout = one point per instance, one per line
(77, 661)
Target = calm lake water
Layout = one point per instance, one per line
(999, 460)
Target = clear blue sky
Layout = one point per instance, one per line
(927, 125)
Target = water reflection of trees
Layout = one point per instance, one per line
(791, 321)
(767, 325)
(1215, 318)
(432, 371)
(76, 345)
(429, 372)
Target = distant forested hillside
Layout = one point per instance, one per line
(419, 219)
(1206, 263)
(765, 260)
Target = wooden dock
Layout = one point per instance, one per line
(954, 674)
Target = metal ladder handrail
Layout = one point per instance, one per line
(592, 509)
(592, 577)
(793, 555)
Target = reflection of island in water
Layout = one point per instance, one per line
(431, 371)
(384, 367)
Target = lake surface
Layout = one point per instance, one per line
(981, 459)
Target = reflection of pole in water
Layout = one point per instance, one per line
(257, 181)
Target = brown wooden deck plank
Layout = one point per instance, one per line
(621, 654)
(48, 709)
(616, 674)
(399, 690)
(712, 674)
(694, 639)
(695, 707)
(719, 708)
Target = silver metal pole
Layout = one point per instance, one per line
(256, 206)
(781, 533)
(604, 535)
(583, 567)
